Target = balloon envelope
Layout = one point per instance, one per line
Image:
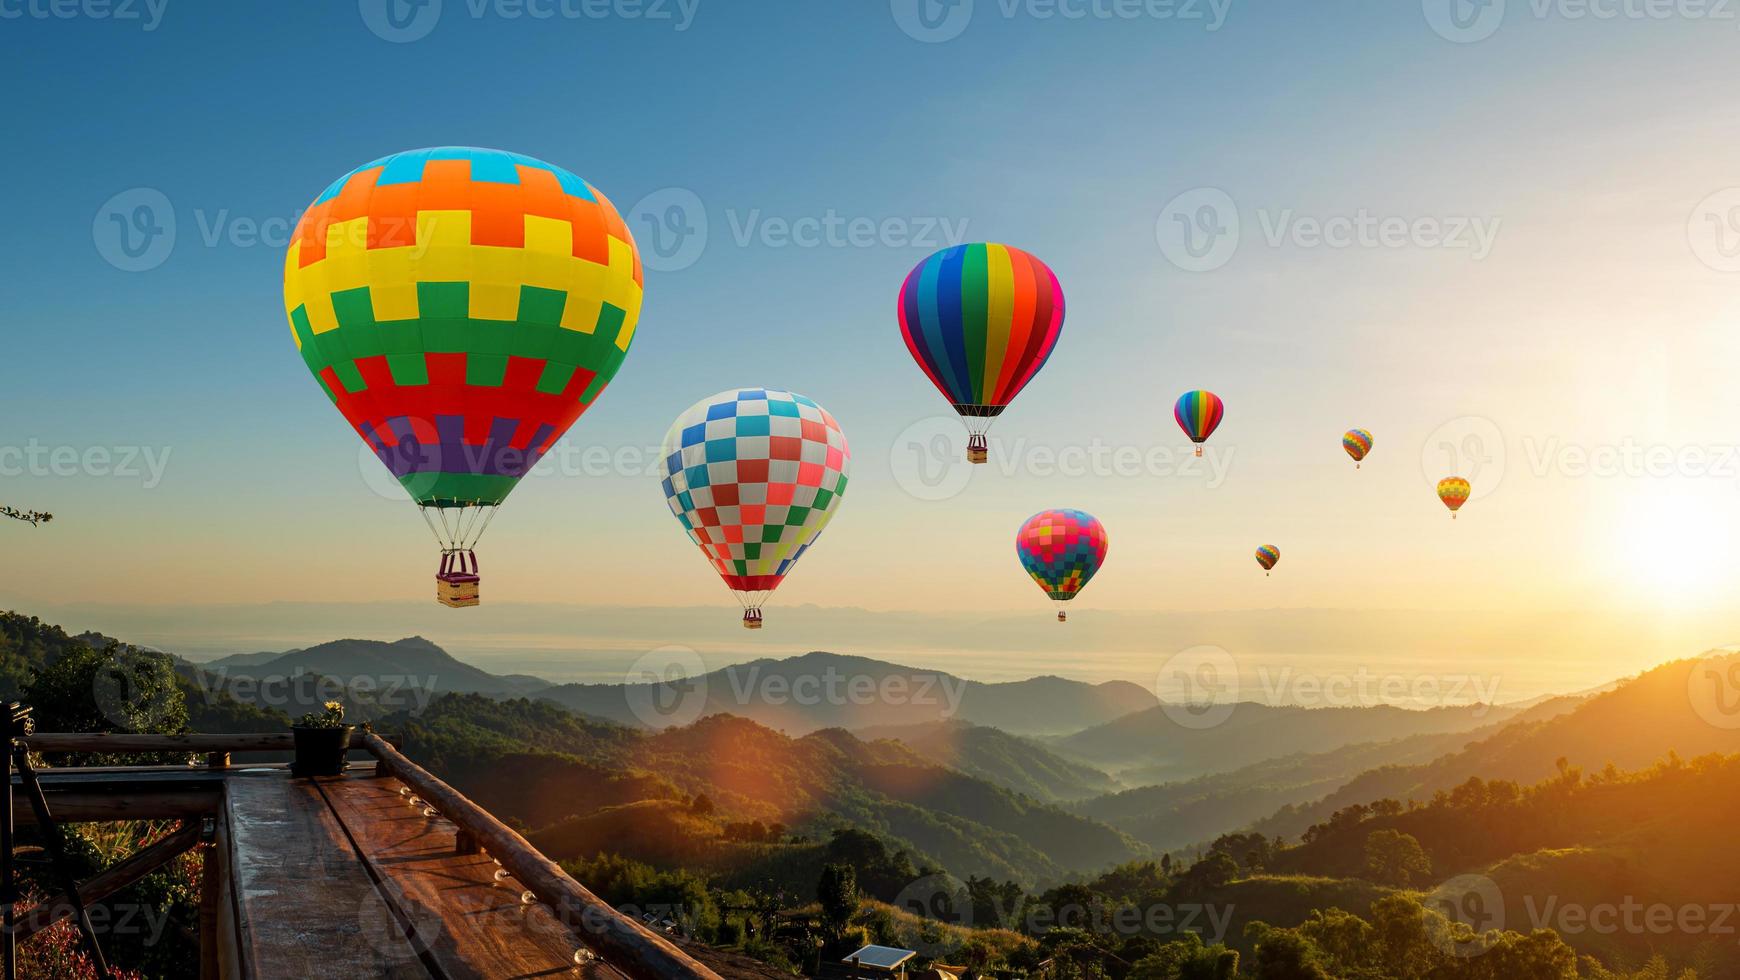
(1268, 555)
(461, 307)
(1357, 442)
(981, 320)
(754, 474)
(1061, 549)
(1453, 491)
(1199, 413)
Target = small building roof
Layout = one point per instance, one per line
(881, 957)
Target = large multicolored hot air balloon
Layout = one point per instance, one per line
(1357, 442)
(1061, 549)
(1267, 556)
(754, 474)
(1199, 413)
(1453, 491)
(980, 320)
(461, 307)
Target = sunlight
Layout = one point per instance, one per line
(1663, 541)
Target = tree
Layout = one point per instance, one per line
(838, 892)
(1395, 858)
(702, 806)
(116, 689)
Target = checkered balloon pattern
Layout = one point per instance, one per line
(461, 307)
(754, 474)
(1061, 549)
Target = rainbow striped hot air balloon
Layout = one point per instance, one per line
(1061, 549)
(1357, 442)
(1267, 556)
(1199, 413)
(461, 307)
(1453, 491)
(981, 320)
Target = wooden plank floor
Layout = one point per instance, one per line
(343, 878)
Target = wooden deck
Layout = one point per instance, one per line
(380, 872)
(343, 878)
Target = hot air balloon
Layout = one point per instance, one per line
(1357, 442)
(461, 307)
(1453, 490)
(1061, 549)
(1199, 413)
(754, 474)
(1267, 556)
(981, 320)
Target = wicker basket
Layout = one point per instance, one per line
(456, 582)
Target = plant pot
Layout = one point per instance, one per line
(320, 751)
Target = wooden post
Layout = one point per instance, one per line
(464, 842)
(211, 872)
(217, 760)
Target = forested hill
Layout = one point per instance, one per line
(551, 769)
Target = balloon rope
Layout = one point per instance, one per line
(479, 535)
(424, 510)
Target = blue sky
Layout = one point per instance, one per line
(1548, 290)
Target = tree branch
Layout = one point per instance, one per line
(31, 517)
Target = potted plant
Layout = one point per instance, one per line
(322, 738)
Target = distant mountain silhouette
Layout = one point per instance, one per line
(1691, 707)
(1176, 743)
(826, 690)
(413, 662)
(992, 754)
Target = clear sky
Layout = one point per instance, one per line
(1507, 245)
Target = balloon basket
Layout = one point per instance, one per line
(751, 619)
(1062, 616)
(1199, 450)
(978, 450)
(456, 582)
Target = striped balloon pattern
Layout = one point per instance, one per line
(981, 320)
(1061, 550)
(1453, 491)
(461, 307)
(1357, 442)
(1267, 556)
(1199, 413)
(754, 475)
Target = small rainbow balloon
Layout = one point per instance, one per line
(1199, 413)
(1061, 550)
(1453, 490)
(1357, 442)
(1267, 556)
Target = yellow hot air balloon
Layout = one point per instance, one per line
(1453, 490)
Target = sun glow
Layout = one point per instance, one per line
(1668, 540)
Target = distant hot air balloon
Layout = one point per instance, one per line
(461, 307)
(1061, 549)
(981, 320)
(1357, 442)
(754, 474)
(1267, 556)
(1453, 490)
(1199, 413)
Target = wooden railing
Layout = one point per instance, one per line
(617, 939)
